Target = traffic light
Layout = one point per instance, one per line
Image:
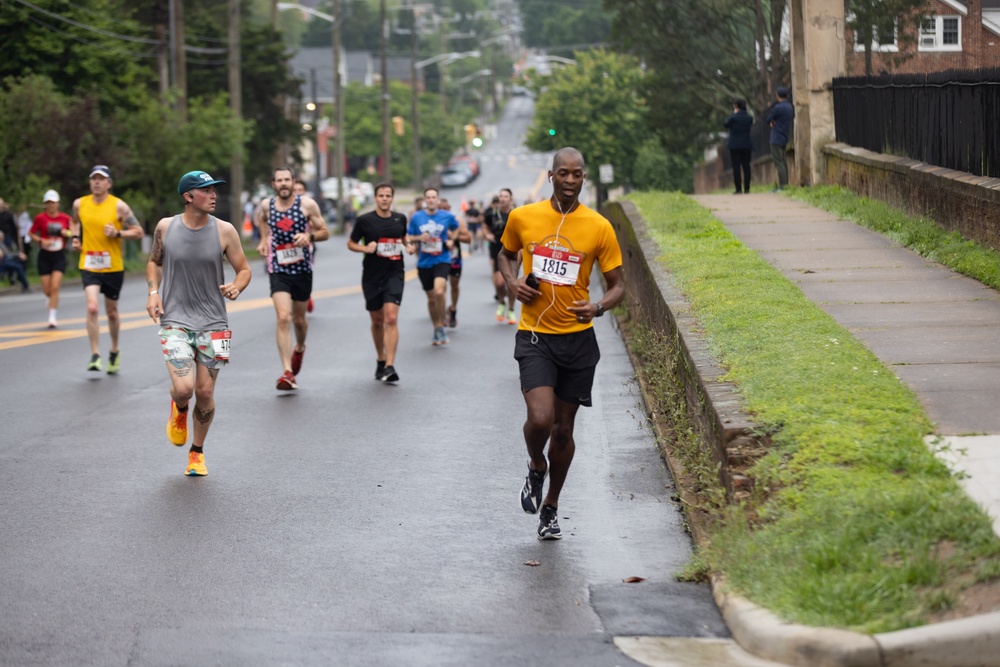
(477, 139)
(397, 125)
(552, 131)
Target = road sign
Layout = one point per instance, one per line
(607, 173)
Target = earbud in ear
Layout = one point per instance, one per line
(550, 178)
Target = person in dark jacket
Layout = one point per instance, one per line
(780, 121)
(739, 145)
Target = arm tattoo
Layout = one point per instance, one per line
(156, 253)
(204, 416)
(130, 220)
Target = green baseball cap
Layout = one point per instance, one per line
(194, 180)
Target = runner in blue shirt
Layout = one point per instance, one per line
(436, 231)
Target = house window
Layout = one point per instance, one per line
(883, 38)
(941, 33)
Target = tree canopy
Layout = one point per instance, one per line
(595, 106)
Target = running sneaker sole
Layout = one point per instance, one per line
(532, 502)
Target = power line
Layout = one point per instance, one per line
(135, 54)
(106, 33)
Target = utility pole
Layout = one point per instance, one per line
(163, 60)
(236, 108)
(442, 48)
(177, 51)
(386, 134)
(414, 102)
(315, 124)
(338, 162)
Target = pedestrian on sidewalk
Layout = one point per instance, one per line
(187, 293)
(555, 345)
(740, 146)
(780, 121)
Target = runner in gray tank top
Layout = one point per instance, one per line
(187, 292)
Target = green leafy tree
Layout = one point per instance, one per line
(48, 135)
(92, 48)
(550, 25)
(438, 139)
(163, 147)
(595, 106)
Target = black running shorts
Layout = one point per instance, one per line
(110, 281)
(49, 262)
(428, 275)
(566, 362)
(387, 289)
(300, 285)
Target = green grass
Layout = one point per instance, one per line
(851, 508)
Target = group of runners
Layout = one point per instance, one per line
(557, 240)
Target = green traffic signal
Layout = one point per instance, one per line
(552, 131)
(477, 142)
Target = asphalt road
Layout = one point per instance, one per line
(350, 522)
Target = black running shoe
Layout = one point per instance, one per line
(548, 524)
(389, 375)
(531, 492)
(379, 368)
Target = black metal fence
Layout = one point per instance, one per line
(947, 119)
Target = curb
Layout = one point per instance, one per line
(966, 642)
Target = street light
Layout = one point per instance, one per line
(282, 6)
(338, 162)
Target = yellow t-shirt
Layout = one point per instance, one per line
(562, 257)
(98, 252)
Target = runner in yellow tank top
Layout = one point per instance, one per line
(100, 223)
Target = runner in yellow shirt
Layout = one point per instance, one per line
(555, 345)
(100, 222)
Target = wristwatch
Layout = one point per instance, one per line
(600, 310)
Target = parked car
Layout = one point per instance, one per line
(456, 175)
(468, 160)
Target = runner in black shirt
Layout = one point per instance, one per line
(381, 236)
(494, 220)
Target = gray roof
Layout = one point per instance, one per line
(357, 66)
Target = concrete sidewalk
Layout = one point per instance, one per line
(937, 330)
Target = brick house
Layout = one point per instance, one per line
(956, 34)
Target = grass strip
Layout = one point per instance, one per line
(853, 521)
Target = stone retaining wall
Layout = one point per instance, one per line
(715, 407)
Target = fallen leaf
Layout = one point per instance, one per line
(532, 563)
(633, 580)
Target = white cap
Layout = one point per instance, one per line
(50, 195)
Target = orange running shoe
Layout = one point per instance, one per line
(196, 465)
(177, 425)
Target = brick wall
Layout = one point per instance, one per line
(980, 49)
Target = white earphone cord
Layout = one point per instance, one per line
(538, 322)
